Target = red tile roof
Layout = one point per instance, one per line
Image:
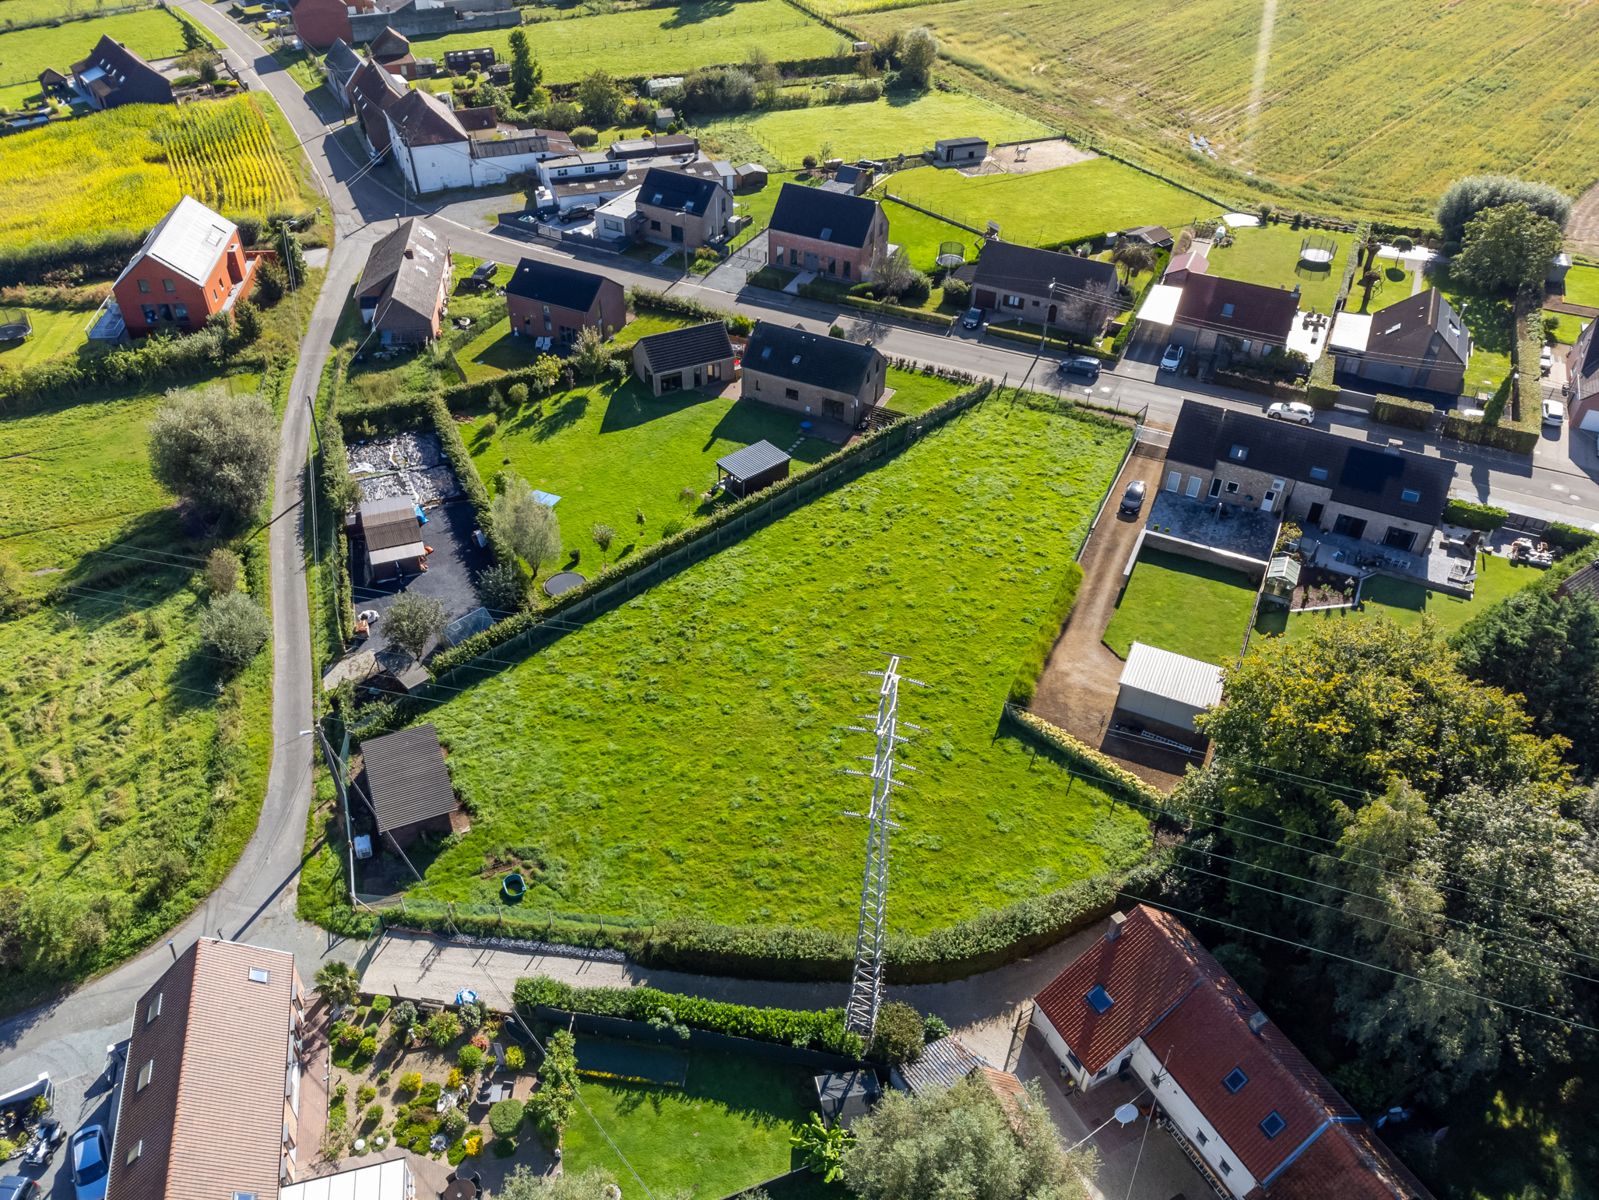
(1166, 989)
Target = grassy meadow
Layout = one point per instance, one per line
(149, 33)
(680, 755)
(901, 124)
(1366, 107)
(122, 170)
(653, 41)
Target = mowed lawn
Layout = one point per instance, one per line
(1185, 606)
(57, 333)
(149, 33)
(653, 41)
(1051, 207)
(1270, 256)
(681, 755)
(725, 1129)
(615, 453)
(1582, 285)
(923, 236)
(899, 124)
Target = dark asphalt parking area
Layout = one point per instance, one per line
(455, 563)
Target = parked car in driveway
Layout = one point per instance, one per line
(1173, 358)
(18, 1187)
(1291, 410)
(973, 319)
(1132, 499)
(1554, 412)
(1081, 366)
(88, 1160)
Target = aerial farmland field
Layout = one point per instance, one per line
(1367, 107)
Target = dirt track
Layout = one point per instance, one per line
(1582, 230)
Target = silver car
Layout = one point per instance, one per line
(1291, 410)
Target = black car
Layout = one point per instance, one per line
(1081, 366)
(1132, 499)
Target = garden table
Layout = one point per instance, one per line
(459, 1189)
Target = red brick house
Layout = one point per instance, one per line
(548, 300)
(191, 266)
(830, 233)
(320, 22)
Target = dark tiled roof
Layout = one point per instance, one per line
(1582, 583)
(482, 117)
(421, 119)
(406, 778)
(826, 362)
(1357, 473)
(835, 217)
(1406, 329)
(123, 69)
(961, 141)
(677, 192)
(386, 524)
(752, 460)
(690, 347)
(1024, 269)
(390, 45)
(1231, 306)
(342, 60)
(1583, 362)
(405, 268)
(549, 283)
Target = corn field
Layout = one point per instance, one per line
(223, 155)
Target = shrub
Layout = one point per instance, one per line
(917, 289)
(410, 1083)
(380, 1004)
(413, 621)
(443, 1028)
(214, 451)
(957, 291)
(453, 1123)
(899, 1035)
(221, 572)
(503, 588)
(934, 1027)
(515, 1057)
(471, 1016)
(1408, 414)
(471, 1059)
(585, 135)
(404, 1014)
(517, 394)
(428, 1097)
(374, 1114)
(368, 1048)
(366, 1093)
(233, 628)
(505, 1118)
(1484, 517)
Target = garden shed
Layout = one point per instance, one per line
(1282, 576)
(747, 471)
(846, 1096)
(404, 779)
(1165, 688)
(959, 151)
(393, 536)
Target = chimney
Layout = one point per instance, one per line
(1257, 1021)
(410, 253)
(1117, 920)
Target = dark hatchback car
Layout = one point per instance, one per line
(1132, 499)
(1081, 366)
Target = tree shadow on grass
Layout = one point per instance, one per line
(748, 422)
(630, 405)
(144, 563)
(552, 421)
(692, 14)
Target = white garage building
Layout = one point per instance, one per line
(1166, 688)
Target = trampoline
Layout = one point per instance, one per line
(14, 326)
(951, 254)
(1318, 251)
(563, 581)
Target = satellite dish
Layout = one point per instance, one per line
(1127, 1114)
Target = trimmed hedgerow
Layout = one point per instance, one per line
(1049, 627)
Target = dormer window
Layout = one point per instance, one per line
(1235, 1080)
(1238, 453)
(1099, 999)
(153, 1010)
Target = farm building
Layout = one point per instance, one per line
(680, 210)
(407, 785)
(1043, 287)
(829, 233)
(392, 537)
(680, 359)
(438, 147)
(460, 62)
(1165, 689)
(546, 300)
(191, 265)
(960, 151)
(745, 472)
(391, 50)
(654, 147)
(810, 373)
(1418, 342)
(405, 285)
(113, 75)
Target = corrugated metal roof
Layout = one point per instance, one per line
(406, 778)
(752, 460)
(1174, 676)
(942, 1064)
(389, 525)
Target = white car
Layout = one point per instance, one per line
(1554, 413)
(1291, 410)
(1546, 360)
(1173, 358)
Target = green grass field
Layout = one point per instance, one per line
(876, 129)
(727, 1128)
(24, 12)
(1582, 285)
(612, 452)
(57, 333)
(128, 783)
(679, 755)
(1394, 284)
(1270, 256)
(1493, 86)
(1053, 207)
(1184, 606)
(652, 41)
(922, 235)
(149, 33)
(1567, 327)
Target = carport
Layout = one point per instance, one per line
(747, 471)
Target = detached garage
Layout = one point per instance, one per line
(1166, 689)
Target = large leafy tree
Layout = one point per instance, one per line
(214, 451)
(1508, 249)
(529, 527)
(1469, 196)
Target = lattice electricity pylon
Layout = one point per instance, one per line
(866, 983)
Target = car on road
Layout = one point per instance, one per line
(1132, 499)
(88, 1160)
(1554, 412)
(1173, 358)
(973, 319)
(18, 1187)
(1081, 366)
(1291, 410)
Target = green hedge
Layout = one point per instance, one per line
(97, 256)
(1049, 627)
(922, 315)
(1033, 339)
(643, 298)
(1409, 414)
(823, 1030)
(1320, 390)
(162, 359)
(1483, 432)
(1474, 516)
(1083, 755)
(1275, 388)
(1569, 537)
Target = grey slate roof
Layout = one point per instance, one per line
(422, 119)
(1407, 327)
(1584, 582)
(676, 191)
(1357, 473)
(341, 62)
(752, 460)
(836, 217)
(690, 347)
(550, 283)
(942, 1064)
(405, 269)
(826, 362)
(406, 778)
(1008, 267)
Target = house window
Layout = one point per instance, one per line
(846, 268)
(1200, 1137)
(154, 1009)
(144, 285)
(1215, 488)
(260, 975)
(1319, 474)
(149, 313)
(1099, 999)
(1232, 488)
(168, 286)
(146, 1073)
(1227, 312)
(180, 312)
(588, 170)
(1010, 302)
(1194, 484)
(1238, 453)
(1410, 496)
(656, 225)
(1273, 1124)
(1174, 480)
(791, 393)
(135, 1150)
(1235, 1080)
(1226, 1167)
